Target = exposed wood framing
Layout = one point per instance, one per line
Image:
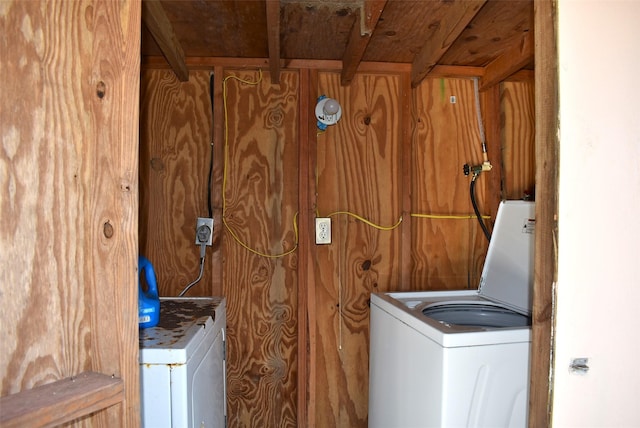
(420, 174)
(273, 32)
(547, 148)
(491, 112)
(457, 15)
(61, 401)
(508, 63)
(359, 38)
(306, 179)
(408, 126)
(156, 20)
(205, 63)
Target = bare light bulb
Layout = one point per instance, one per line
(328, 112)
(331, 107)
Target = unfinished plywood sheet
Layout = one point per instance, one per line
(175, 157)
(518, 139)
(447, 251)
(259, 242)
(358, 173)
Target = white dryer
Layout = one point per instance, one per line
(459, 358)
(182, 365)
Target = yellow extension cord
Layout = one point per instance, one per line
(295, 217)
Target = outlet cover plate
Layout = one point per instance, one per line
(204, 238)
(323, 230)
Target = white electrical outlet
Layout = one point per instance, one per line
(204, 231)
(323, 230)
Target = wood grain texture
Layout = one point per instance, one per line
(301, 33)
(491, 117)
(61, 401)
(547, 147)
(495, 29)
(447, 21)
(306, 184)
(113, 199)
(156, 21)
(175, 156)
(68, 170)
(396, 151)
(359, 170)
(518, 139)
(261, 202)
(447, 253)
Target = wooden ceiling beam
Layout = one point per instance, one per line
(156, 20)
(510, 62)
(273, 39)
(359, 38)
(445, 29)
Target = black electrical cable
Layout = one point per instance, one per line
(211, 161)
(472, 188)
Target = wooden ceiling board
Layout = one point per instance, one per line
(323, 30)
(318, 30)
(148, 44)
(499, 25)
(401, 31)
(219, 28)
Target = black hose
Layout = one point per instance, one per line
(472, 191)
(211, 161)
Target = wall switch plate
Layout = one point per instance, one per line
(323, 230)
(204, 231)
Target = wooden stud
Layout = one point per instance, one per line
(508, 63)
(545, 265)
(456, 15)
(359, 38)
(273, 39)
(156, 20)
(61, 401)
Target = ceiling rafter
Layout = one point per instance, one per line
(511, 61)
(359, 38)
(456, 15)
(420, 34)
(273, 38)
(159, 25)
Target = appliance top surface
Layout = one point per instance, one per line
(181, 322)
(507, 276)
(407, 308)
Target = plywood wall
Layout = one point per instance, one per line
(259, 244)
(397, 154)
(175, 159)
(69, 204)
(518, 138)
(447, 251)
(359, 173)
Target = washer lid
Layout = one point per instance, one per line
(507, 276)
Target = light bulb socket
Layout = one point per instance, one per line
(328, 111)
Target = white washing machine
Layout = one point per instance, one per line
(182, 365)
(459, 358)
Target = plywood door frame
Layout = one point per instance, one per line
(547, 147)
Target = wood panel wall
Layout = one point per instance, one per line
(259, 246)
(359, 171)
(69, 198)
(447, 252)
(518, 139)
(396, 152)
(175, 159)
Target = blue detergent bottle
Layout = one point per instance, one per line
(148, 300)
